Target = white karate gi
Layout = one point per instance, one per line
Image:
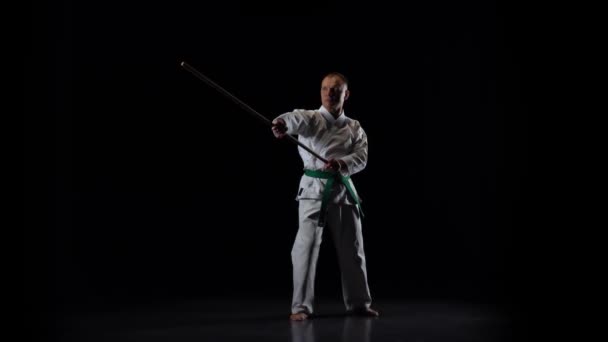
(341, 138)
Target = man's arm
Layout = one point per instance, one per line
(357, 160)
(298, 122)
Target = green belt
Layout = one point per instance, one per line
(331, 178)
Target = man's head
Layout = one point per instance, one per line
(334, 91)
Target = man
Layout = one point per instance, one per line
(327, 197)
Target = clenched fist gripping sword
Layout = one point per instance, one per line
(243, 105)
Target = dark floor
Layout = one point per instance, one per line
(257, 320)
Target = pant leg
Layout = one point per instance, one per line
(345, 226)
(304, 255)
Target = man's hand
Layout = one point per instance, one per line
(335, 165)
(279, 128)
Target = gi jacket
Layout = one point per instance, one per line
(342, 138)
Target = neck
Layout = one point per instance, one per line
(335, 112)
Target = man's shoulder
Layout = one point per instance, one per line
(308, 112)
(305, 110)
(354, 123)
(305, 114)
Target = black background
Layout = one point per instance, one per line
(143, 184)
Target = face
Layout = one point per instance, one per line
(333, 94)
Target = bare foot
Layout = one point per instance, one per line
(300, 316)
(367, 312)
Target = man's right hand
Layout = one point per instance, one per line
(279, 128)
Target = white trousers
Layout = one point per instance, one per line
(345, 226)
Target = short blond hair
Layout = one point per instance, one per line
(338, 75)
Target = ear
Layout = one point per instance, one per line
(346, 94)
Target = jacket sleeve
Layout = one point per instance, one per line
(299, 122)
(357, 160)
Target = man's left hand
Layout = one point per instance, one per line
(335, 165)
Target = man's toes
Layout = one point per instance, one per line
(300, 316)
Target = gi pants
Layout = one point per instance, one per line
(344, 223)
